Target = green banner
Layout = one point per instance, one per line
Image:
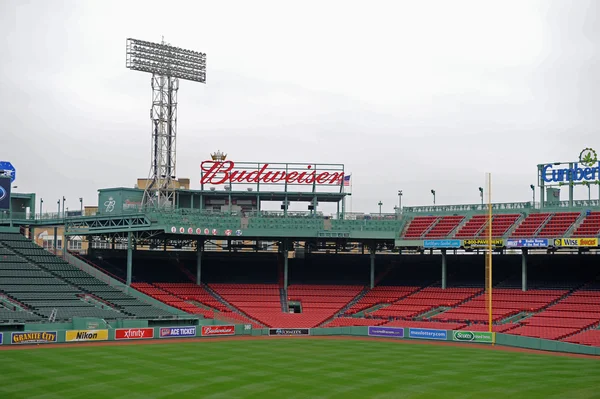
(473, 336)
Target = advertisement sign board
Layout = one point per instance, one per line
(576, 242)
(86, 335)
(527, 243)
(208, 331)
(37, 337)
(218, 170)
(4, 193)
(0, 338)
(441, 244)
(473, 336)
(482, 243)
(8, 170)
(428, 333)
(289, 331)
(394, 332)
(134, 333)
(586, 170)
(177, 332)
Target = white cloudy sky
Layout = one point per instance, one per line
(409, 95)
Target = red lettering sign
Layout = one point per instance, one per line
(134, 333)
(217, 330)
(222, 172)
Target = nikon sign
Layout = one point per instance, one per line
(473, 336)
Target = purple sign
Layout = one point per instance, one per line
(176, 332)
(394, 332)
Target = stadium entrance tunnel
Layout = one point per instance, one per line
(295, 307)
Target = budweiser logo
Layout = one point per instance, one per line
(221, 172)
(218, 330)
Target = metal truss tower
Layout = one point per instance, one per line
(167, 64)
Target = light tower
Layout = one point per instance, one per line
(167, 64)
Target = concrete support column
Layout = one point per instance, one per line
(444, 270)
(285, 265)
(199, 250)
(524, 270)
(55, 239)
(129, 259)
(372, 285)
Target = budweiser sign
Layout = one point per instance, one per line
(223, 172)
(217, 330)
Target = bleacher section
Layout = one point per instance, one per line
(500, 225)
(559, 224)
(530, 225)
(590, 227)
(444, 226)
(262, 302)
(544, 225)
(43, 282)
(418, 226)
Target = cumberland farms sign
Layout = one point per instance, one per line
(218, 171)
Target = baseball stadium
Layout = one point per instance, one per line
(219, 286)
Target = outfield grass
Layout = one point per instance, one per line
(292, 368)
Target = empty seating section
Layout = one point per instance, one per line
(472, 227)
(530, 225)
(500, 225)
(380, 295)
(44, 282)
(506, 303)
(172, 300)
(444, 226)
(590, 227)
(418, 226)
(588, 337)
(258, 301)
(425, 300)
(262, 302)
(558, 224)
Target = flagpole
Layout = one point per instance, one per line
(351, 182)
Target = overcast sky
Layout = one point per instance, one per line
(411, 95)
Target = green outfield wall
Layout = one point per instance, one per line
(92, 330)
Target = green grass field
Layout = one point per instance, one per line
(292, 368)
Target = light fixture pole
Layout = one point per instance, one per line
(64, 214)
(167, 64)
(481, 194)
(81, 205)
(532, 187)
(399, 200)
(433, 192)
(41, 207)
(380, 205)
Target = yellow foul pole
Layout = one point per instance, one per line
(489, 251)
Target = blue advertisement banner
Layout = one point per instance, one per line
(394, 332)
(427, 333)
(4, 193)
(9, 170)
(177, 332)
(0, 338)
(527, 243)
(441, 244)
